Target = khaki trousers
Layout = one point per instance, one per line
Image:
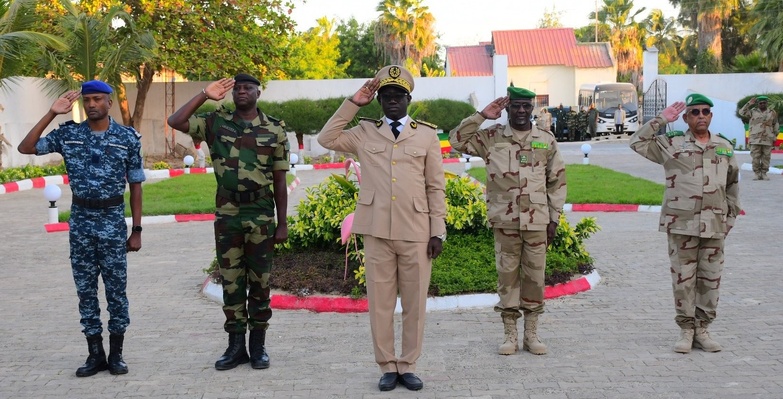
(696, 266)
(760, 155)
(397, 266)
(520, 259)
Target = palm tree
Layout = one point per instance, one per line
(100, 46)
(17, 19)
(661, 32)
(405, 32)
(626, 36)
(708, 16)
(768, 14)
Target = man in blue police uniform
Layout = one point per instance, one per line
(100, 156)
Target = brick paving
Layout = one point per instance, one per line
(611, 342)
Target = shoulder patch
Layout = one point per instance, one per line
(432, 125)
(377, 122)
(675, 133)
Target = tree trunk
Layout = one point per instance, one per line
(709, 34)
(143, 88)
(122, 99)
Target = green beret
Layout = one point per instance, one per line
(762, 98)
(516, 93)
(697, 99)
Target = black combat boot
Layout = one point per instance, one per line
(235, 354)
(258, 357)
(96, 361)
(116, 364)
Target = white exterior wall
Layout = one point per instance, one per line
(560, 82)
(25, 104)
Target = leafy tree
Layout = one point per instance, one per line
(315, 54)
(753, 62)
(736, 38)
(586, 34)
(550, 19)
(662, 33)
(706, 17)
(767, 15)
(20, 44)
(100, 45)
(357, 48)
(405, 32)
(626, 36)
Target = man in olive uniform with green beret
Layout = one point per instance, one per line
(401, 213)
(249, 152)
(526, 191)
(701, 204)
(764, 127)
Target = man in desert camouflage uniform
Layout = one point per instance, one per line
(701, 204)
(3, 142)
(526, 191)
(250, 155)
(764, 128)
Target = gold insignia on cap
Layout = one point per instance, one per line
(394, 72)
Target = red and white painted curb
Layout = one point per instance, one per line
(147, 220)
(348, 305)
(36, 182)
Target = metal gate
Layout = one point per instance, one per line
(654, 100)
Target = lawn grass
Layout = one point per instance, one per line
(185, 194)
(590, 184)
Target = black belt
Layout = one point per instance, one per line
(243, 196)
(96, 203)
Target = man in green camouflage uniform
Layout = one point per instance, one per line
(526, 191)
(764, 127)
(250, 155)
(592, 121)
(701, 204)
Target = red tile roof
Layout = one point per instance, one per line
(529, 47)
(470, 60)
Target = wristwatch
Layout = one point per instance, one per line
(442, 237)
(136, 229)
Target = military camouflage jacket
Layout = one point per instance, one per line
(702, 180)
(98, 165)
(526, 180)
(763, 126)
(243, 155)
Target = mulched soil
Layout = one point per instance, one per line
(321, 272)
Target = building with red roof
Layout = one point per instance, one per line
(548, 61)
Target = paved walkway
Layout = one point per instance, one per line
(611, 342)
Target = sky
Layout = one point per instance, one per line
(468, 22)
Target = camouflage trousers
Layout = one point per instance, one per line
(696, 266)
(244, 244)
(520, 260)
(760, 155)
(98, 246)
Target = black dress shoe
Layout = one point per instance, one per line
(388, 382)
(410, 381)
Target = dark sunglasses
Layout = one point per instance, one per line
(525, 106)
(703, 111)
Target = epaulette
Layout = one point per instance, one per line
(136, 132)
(68, 123)
(377, 122)
(546, 131)
(726, 138)
(675, 133)
(275, 121)
(428, 124)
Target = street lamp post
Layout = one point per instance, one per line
(293, 159)
(188, 161)
(52, 193)
(586, 150)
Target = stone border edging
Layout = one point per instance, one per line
(214, 292)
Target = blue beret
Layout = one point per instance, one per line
(95, 86)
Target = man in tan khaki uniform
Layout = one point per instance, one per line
(764, 127)
(700, 206)
(526, 191)
(401, 212)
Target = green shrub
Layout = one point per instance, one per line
(31, 171)
(161, 165)
(466, 209)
